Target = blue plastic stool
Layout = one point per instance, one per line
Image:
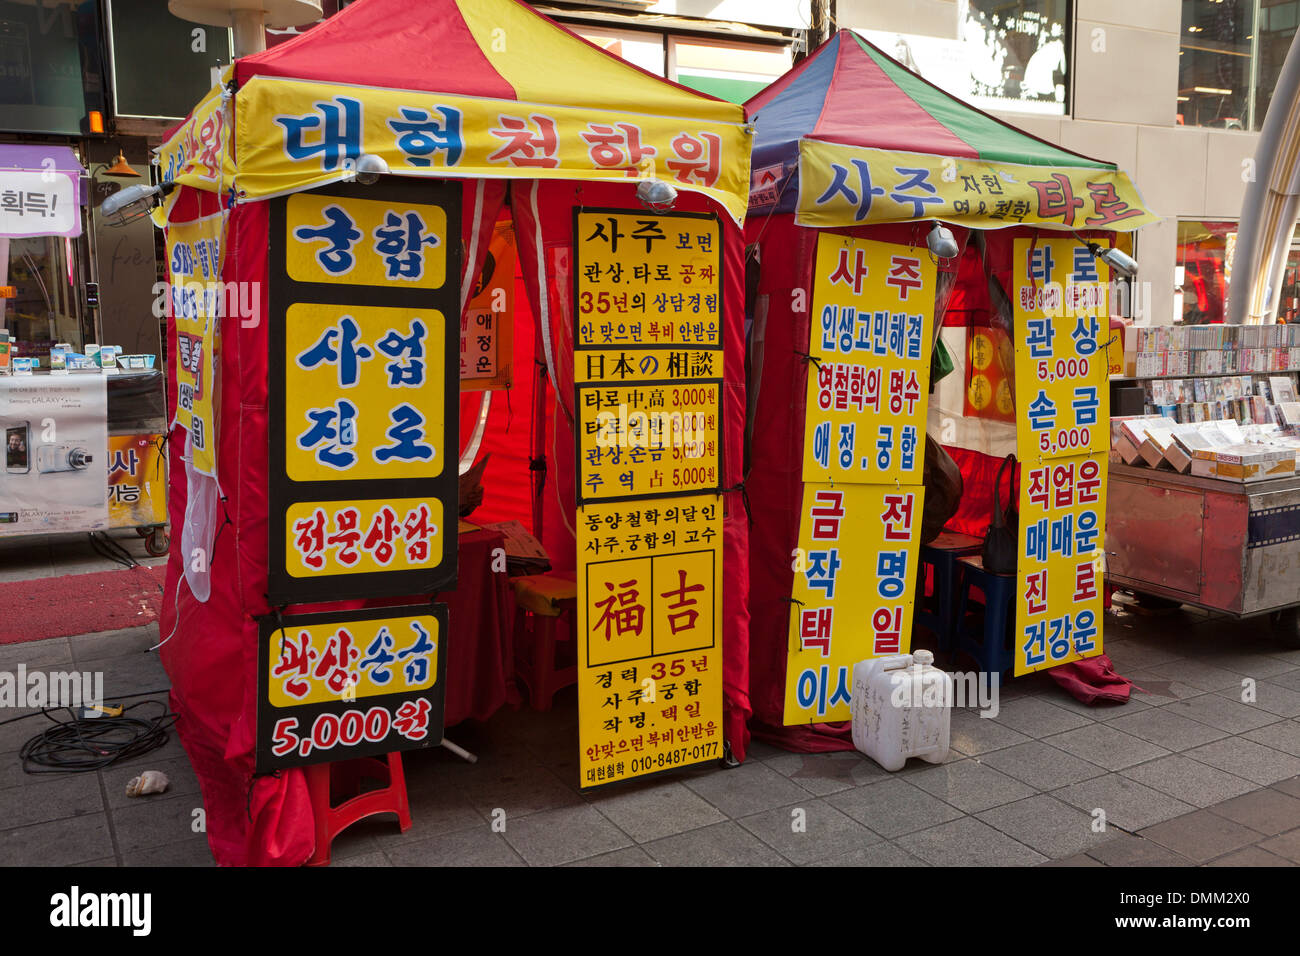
(991, 645)
(936, 611)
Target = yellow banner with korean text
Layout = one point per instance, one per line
(198, 151)
(137, 481)
(296, 134)
(869, 365)
(1061, 316)
(649, 636)
(843, 186)
(853, 594)
(1061, 567)
(195, 301)
(487, 324)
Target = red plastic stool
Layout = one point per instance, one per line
(346, 775)
(542, 599)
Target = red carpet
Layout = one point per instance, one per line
(80, 603)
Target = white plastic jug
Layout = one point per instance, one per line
(901, 707)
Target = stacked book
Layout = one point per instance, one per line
(1155, 351)
(1245, 398)
(1211, 449)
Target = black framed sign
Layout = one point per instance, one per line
(365, 306)
(347, 684)
(648, 359)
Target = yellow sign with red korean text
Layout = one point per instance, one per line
(649, 636)
(297, 134)
(869, 366)
(198, 151)
(854, 588)
(648, 397)
(195, 301)
(843, 186)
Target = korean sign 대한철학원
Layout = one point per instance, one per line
(648, 396)
(196, 298)
(854, 584)
(649, 636)
(349, 684)
(292, 134)
(1060, 311)
(869, 372)
(487, 325)
(365, 292)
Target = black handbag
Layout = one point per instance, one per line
(1001, 541)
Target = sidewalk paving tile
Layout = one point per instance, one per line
(1035, 717)
(747, 789)
(1106, 746)
(973, 735)
(1041, 766)
(723, 844)
(822, 774)
(968, 842)
(559, 836)
(463, 848)
(1047, 825)
(1245, 758)
(825, 833)
(1189, 780)
(1200, 836)
(1268, 811)
(1168, 730)
(655, 809)
(1286, 845)
(1270, 697)
(1221, 713)
(878, 854)
(1128, 804)
(628, 856)
(1129, 850)
(1251, 856)
(970, 786)
(893, 807)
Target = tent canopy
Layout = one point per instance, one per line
(305, 110)
(845, 138)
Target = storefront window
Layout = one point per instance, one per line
(1229, 59)
(41, 307)
(727, 71)
(1008, 55)
(51, 76)
(645, 50)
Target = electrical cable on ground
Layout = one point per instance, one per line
(82, 744)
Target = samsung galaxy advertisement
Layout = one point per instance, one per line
(55, 452)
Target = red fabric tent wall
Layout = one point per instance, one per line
(211, 654)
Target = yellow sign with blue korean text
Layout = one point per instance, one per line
(649, 635)
(1060, 304)
(1062, 319)
(196, 298)
(842, 186)
(379, 366)
(364, 368)
(869, 362)
(1061, 567)
(297, 134)
(854, 588)
(366, 242)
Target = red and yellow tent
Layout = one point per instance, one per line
(521, 113)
